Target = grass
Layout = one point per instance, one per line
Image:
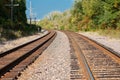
(111, 33)
(11, 34)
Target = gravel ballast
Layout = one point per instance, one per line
(53, 64)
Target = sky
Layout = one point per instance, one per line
(42, 7)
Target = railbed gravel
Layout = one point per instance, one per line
(53, 64)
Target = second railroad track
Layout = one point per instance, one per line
(14, 61)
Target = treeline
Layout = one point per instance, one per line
(19, 16)
(86, 15)
(58, 20)
(96, 14)
(18, 27)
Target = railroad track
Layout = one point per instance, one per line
(91, 61)
(14, 61)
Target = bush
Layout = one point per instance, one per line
(62, 28)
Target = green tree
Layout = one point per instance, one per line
(19, 12)
(58, 20)
(87, 14)
(111, 14)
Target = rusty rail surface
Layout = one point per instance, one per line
(91, 60)
(14, 61)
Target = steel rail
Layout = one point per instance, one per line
(81, 57)
(102, 63)
(113, 54)
(104, 46)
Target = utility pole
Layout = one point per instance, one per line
(35, 21)
(12, 5)
(34, 15)
(30, 13)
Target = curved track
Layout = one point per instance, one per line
(14, 61)
(91, 60)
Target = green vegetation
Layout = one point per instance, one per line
(19, 13)
(96, 14)
(58, 20)
(111, 33)
(19, 26)
(87, 15)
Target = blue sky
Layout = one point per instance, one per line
(43, 7)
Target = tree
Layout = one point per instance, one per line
(19, 12)
(57, 20)
(96, 14)
(111, 14)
